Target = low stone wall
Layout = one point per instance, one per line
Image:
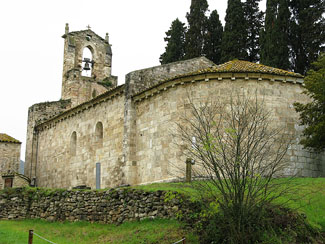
(111, 206)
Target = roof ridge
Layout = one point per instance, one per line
(237, 65)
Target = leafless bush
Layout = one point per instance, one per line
(239, 152)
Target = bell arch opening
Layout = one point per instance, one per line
(87, 62)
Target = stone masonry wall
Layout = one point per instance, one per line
(63, 165)
(111, 206)
(157, 110)
(136, 82)
(36, 114)
(9, 159)
(82, 89)
(140, 80)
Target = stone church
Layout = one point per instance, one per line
(103, 135)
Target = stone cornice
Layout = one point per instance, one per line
(109, 95)
(213, 77)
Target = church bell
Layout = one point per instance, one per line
(86, 61)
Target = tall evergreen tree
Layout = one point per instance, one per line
(275, 38)
(175, 38)
(307, 32)
(312, 115)
(254, 19)
(235, 34)
(197, 27)
(213, 38)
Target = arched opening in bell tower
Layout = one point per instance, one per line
(87, 62)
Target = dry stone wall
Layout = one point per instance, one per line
(111, 206)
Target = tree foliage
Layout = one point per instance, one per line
(175, 38)
(307, 32)
(238, 151)
(254, 20)
(312, 115)
(275, 37)
(197, 27)
(235, 32)
(213, 38)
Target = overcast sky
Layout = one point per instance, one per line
(31, 47)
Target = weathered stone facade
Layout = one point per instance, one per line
(75, 86)
(122, 136)
(37, 114)
(9, 162)
(62, 166)
(112, 206)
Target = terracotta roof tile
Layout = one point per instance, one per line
(6, 138)
(238, 66)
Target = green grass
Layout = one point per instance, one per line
(307, 195)
(147, 231)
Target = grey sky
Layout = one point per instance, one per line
(31, 53)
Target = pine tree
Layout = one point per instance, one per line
(312, 114)
(235, 34)
(213, 38)
(254, 19)
(197, 27)
(275, 38)
(175, 38)
(307, 32)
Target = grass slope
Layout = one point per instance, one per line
(306, 195)
(148, 231)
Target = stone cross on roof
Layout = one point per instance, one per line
(88, 27)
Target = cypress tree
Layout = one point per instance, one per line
(197, 27)
(307, 32)
(235, 34)
(213, 38)
(175, 38)
(312, 114)
(254, 19)
(275, 38)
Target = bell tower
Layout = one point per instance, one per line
(87, 64)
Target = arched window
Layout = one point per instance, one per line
(87, 57)
(99, 133)
(73, 143)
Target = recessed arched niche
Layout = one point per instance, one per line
(99, 133)
(73, 144)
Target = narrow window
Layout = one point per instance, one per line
(87, 65)
(73, 144)
(99, 133)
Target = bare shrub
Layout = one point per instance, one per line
(238, 152)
